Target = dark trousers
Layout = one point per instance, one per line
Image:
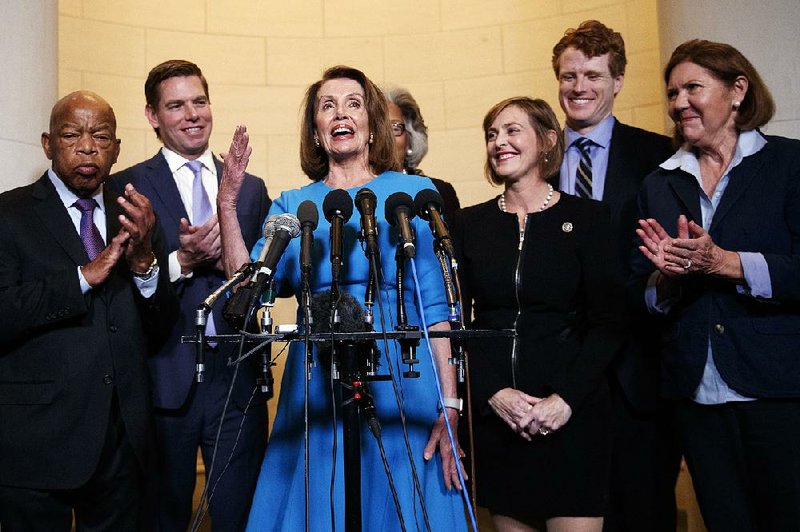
(744, 458)
(645, 463)
(110, 500)
(242, 441)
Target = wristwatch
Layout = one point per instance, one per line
(453, 402)
(150, 272)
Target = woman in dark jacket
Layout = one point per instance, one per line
(720, 261)
(539, 262)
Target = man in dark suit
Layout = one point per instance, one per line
(84, 298)
(181, 181)
(607, 160)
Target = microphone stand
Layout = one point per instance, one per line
(305, 302)
(452, 305)
(204, 309)
(408, 346)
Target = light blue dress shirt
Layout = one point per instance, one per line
(601, 137)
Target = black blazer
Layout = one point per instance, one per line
(173, 367)
(633, 154)
(63, 353)
(755, 342)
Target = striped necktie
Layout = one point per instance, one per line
(583, 177)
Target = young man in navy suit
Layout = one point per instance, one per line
(85, 298)
(607, 160)
(181, 181)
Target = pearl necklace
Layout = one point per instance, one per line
(547, 199)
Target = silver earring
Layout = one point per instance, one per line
(409, 151)
(316, 140)
(547, 157)
(371, 138)
(736, 105)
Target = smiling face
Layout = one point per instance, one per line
(341, 120)
(702, 106)
(82, 142)
(513, 147)
(586, 89)
(182, 116)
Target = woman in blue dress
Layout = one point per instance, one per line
(346, 144)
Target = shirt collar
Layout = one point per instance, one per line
(68, 197)
(176, 161)
(748, 143)
(600, 134)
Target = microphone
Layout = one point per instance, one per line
(428, 203)
(309, 219)
(399, 209)
(337, 208)
(286, 226)
(366, 203)
(269, 231)
(351, 318)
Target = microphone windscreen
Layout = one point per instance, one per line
(398, 199)
(289, 223)
(424, 198)
(351, 313)
(269, 226)
(337, 202)
(308, 214)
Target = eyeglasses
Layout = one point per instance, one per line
(398, 128)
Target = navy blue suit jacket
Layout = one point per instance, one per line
(634, 153)
(755, 342)
(173, 367)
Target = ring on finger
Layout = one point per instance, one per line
(688, 264)
(544, 431)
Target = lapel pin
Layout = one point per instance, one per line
(566, 227)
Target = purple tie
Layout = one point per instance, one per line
(201, 206)
(201, 211)
(90, 235)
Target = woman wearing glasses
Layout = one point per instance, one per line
(411, 142)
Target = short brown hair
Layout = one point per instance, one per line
(594, 38)
(313, 158)
(542, 119)
(726, 63)
(169, 69)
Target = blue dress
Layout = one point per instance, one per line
(278, 503)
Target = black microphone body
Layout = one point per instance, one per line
(337, 208)
(399, 209)
(246, 297)
(366, 201)
(429, 207)
(309, 219)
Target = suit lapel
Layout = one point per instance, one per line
(617, 181)
(685, 188)
(160, 178)
(739, 180)
(56, 220)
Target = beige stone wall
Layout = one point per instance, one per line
(458, 57)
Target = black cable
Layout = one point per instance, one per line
(334, 447)
(399, 400)
(306, 289)
(201, 511)
(377, 433)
